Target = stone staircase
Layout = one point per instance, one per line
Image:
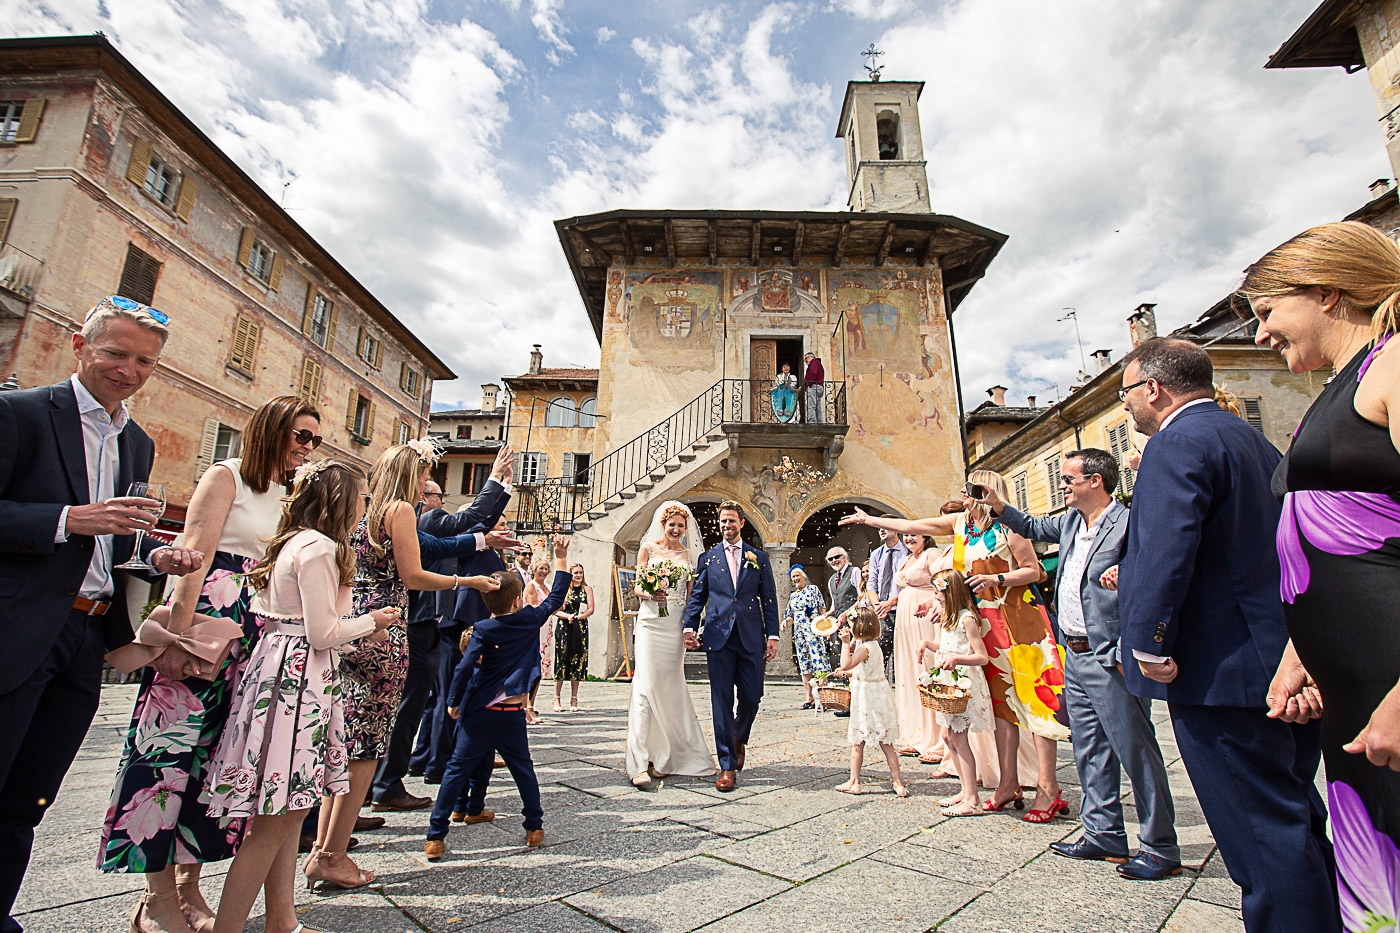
(688, 467)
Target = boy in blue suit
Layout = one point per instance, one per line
(489, 690)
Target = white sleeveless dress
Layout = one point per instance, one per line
(662, 728)
(874, 719)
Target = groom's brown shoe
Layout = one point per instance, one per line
(725, 782)
(739, 755)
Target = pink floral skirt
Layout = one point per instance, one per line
(283, 747)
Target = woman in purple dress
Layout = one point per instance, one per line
(1327, 300)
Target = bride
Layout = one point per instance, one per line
(663, 733)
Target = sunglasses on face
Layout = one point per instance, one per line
(835, 560)
(126, 304)
(1070, 480)
(306, 437)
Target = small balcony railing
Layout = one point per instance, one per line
(20, 272)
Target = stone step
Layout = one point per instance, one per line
(610, 505)
(643, 485)
(717, 436)
(582, 526)
(627, 494)
(596, 514)
(657, 475)
(672, 467)
(686, 458)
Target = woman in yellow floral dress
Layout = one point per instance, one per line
(1026, 671)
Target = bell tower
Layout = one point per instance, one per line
(885, 163)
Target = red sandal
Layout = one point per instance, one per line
(1044, 816)
(1018, 801)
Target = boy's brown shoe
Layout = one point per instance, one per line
(534, 838)
(434, 849)
(485, 816)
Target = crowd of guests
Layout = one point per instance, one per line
(331, 681)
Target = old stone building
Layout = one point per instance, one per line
(696, 311)
(110, 189)
(471, 436)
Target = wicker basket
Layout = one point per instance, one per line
(835, 698)
(943, 699)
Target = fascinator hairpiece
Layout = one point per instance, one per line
(429, 449)
(940, 585)
(307, 471)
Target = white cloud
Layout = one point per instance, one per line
(604, 34)
(544, 16)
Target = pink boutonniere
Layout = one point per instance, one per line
(750, 560)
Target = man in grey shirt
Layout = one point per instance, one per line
(1111, 727)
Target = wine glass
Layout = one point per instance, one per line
(154, 491)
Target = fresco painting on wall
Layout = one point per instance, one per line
(674, 316)
(880, 312)
(778, 288)
(614, 295)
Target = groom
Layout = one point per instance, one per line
(736, 582)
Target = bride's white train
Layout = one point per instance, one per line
(663, 732)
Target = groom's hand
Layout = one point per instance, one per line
(772, 651)
(692, 641)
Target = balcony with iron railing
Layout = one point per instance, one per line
(19, 274)
(744, 413)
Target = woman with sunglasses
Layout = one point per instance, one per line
(155, 823)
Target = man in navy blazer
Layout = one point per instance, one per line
(734, 590)
(68, 452)
(424, 612)
(1199, 592)
(1112, 728)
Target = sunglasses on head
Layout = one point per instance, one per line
(126, 304)
(306, 437)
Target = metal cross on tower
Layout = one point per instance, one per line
(873, 55)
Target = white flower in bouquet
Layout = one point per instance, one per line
(662, 575)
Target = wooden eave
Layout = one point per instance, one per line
(665, 239)
(53, 55)
(1326, 40)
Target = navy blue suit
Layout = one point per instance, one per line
(738, 621)
(443, 540)
(502, 658)
(53, 653)
(1199, 583)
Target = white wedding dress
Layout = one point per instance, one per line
(662, 728)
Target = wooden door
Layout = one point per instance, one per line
(763, 366)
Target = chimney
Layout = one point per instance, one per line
(1102, 360)
(1379, 187)
(1142, 323)
(1030, 401)
(998, 395)
(489, 391)
(536, 361)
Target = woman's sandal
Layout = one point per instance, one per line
(1057, 806)
(318, 882)
(557, 707)
(1018, 801)
(965, 809)
(908, 752)
(573, 706)
(200, 924)
(149, 897)
(901, 790)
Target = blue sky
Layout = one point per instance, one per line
(1132, 152)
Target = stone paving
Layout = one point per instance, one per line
(783, 852)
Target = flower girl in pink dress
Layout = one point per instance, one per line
(283, 747)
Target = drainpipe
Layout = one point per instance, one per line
(1077, 444)
(957, 388)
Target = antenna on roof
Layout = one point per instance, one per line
(872, 56)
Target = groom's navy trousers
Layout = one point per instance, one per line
(733, 670)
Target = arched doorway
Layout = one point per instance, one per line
(821, 531)
(707, 517)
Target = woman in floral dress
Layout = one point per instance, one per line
(155, 822)
(571, 638)
(804, 606)
(387, 565)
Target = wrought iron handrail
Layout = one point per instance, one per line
(556, 502)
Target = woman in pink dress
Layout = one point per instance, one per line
(919, 734)
(536, 591)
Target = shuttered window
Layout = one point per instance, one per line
(7, 215)
(19, 119)
(310, 389)
(531, 468)
(1052, 476)
(1253, 413)
(139, 275)
(359, 416)
(409, 379)
(259, 259)
(316, 318)
(1023, 499)
(401, 432)
(1120, 445)
(370, 348)
(245, 345)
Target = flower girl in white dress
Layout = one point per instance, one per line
(872, 700)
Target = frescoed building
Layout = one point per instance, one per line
(696, 311)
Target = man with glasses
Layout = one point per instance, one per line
(425, 612)
(1112, 729)
(844, 588)
(1202, 617)
(68, 452)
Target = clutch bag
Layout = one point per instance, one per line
(210, 639)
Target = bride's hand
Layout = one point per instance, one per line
(660, 595)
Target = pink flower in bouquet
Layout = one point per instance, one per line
(151, 809)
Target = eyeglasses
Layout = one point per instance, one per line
(126, 304)
(1070, 480)
(437, 494)
(306, 437)
(1123, 392)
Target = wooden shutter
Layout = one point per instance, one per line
(568, 469)
(350, 412)
(1052, 476)
(330, 329)
(369, 423)
(360, 345)
(140, 162)
(7, 214)
(515, 464)
(308, 310)
(205, 459)
(245, 344)
(541, 466)
(245, 247)
(139, 275)
(1250, 408)
(379, 353)
(310, 380)
(403, 376)
(1119, 445)
(185, 205)
(29, 122)
(274, 281)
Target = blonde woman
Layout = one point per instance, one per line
(1001, 567)
(388, 563)
(536, 592)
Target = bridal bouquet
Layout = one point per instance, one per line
(662, 575)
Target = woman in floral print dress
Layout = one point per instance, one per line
(155, 822)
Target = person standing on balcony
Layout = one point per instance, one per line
(815, 381)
